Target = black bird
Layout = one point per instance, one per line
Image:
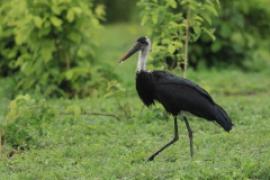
(176, 94)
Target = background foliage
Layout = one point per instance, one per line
(241, 37)
(174, 24)
(118, 10)
(240, 30)
(21, 133)
(49, 45)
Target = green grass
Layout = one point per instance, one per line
(73, 144)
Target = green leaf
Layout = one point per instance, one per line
(22, 34)
(210, 33)
(207, 18)
(100, 11)
(171, 48)
(57, 22)
(56, 9)
(75, 37)
(172, 3)
(38, 22)
(47, 50)
(198, 18)
(70, 15)
(210, 8)
(78, 11)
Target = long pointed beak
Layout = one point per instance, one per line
(132, 51)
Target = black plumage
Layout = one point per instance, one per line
(176, 94)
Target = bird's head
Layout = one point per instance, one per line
(142, 44)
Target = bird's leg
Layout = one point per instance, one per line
(175, 138)
(190, 136)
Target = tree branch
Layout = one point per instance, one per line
(94, 114)
(186, 45)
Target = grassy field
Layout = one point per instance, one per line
(110, 137)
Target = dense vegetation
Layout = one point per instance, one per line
(49, 46)
(118, 10)
(241, 30)
(242, 37)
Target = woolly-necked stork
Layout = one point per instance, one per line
(176, 94)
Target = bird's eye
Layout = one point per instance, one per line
(145, 42)
(142, 40)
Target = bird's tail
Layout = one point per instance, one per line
(222, 118)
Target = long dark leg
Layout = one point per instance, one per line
(175, 138)
(190, 136)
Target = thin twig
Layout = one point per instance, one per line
(0, 143)
(186, 45)
(94, 114)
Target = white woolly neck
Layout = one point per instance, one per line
(141, 64)
(143, 55)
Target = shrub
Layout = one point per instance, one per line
(174, 24)
(241, 32)
(25, 121)
(8, 49)
(50, 44)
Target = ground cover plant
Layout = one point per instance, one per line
(109, 136)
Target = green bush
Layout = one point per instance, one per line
(50, 44)
(26, 122)
(8, 49)
(242, 37)
(174, 24)
(241, 31)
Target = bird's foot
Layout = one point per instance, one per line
(151, 158)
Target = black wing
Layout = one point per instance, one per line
(165, 78)
(179, 94)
